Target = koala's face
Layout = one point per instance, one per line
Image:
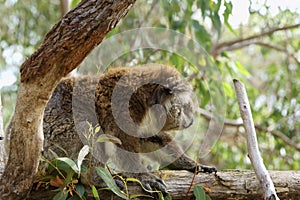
(180, 112)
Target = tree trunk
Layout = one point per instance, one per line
(229, 184)
(2, 149)
(64, 47)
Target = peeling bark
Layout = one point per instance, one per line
(64, 47)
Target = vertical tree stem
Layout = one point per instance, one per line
(253, 150)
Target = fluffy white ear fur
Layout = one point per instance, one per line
(153, 121)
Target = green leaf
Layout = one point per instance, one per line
(74, 197)
(168, 197)
(95, 193)
(199, 193)
(217, 23)
(160, 196)
(228, 90)
(108, 138)
(241, 68)
(80, 189)
(201, 34)
(74, 3)
(227, 12)
(204, 6)
(62, 195)
(97, 129)
(108, 179)
(133, 196)
(69, 162)
(82, 153)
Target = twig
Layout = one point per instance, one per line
(229, 122)
(254, 154)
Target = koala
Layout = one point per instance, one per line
(138, 105)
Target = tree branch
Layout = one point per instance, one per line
(252, 144)
(239, 122)
(225, 45)
(280, 135)
(3, 156)
(227, 184)
(268, 32)
(74, 37)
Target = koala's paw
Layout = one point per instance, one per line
(207, 169)
(152, 182)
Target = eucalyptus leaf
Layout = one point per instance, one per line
(108, 138)
(62, 195)
(69, 162)
(108, 179)
(199, 193)
(95, 193)
(82, 153)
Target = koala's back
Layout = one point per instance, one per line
(60, 131)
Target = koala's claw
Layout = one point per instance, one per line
(154, 185)
(207, 169)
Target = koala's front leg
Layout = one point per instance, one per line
(131, 166)
(173, 156)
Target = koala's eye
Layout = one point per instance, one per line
(177, 111)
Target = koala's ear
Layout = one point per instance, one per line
(160, 94)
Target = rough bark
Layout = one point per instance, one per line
(2, 150)
(64, 47)
(229, 184)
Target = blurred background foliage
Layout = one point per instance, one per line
(262, 50)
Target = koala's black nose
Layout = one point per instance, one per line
(191, 122)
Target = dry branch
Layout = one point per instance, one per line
(252, 144)
(229, 184)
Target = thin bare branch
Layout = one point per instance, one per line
(280, 135)
(219, 46)
(228, 122)
(252, 144)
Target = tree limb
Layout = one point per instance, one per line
(219, 46)
(227, 184)
(252, 144)
(2, 149)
